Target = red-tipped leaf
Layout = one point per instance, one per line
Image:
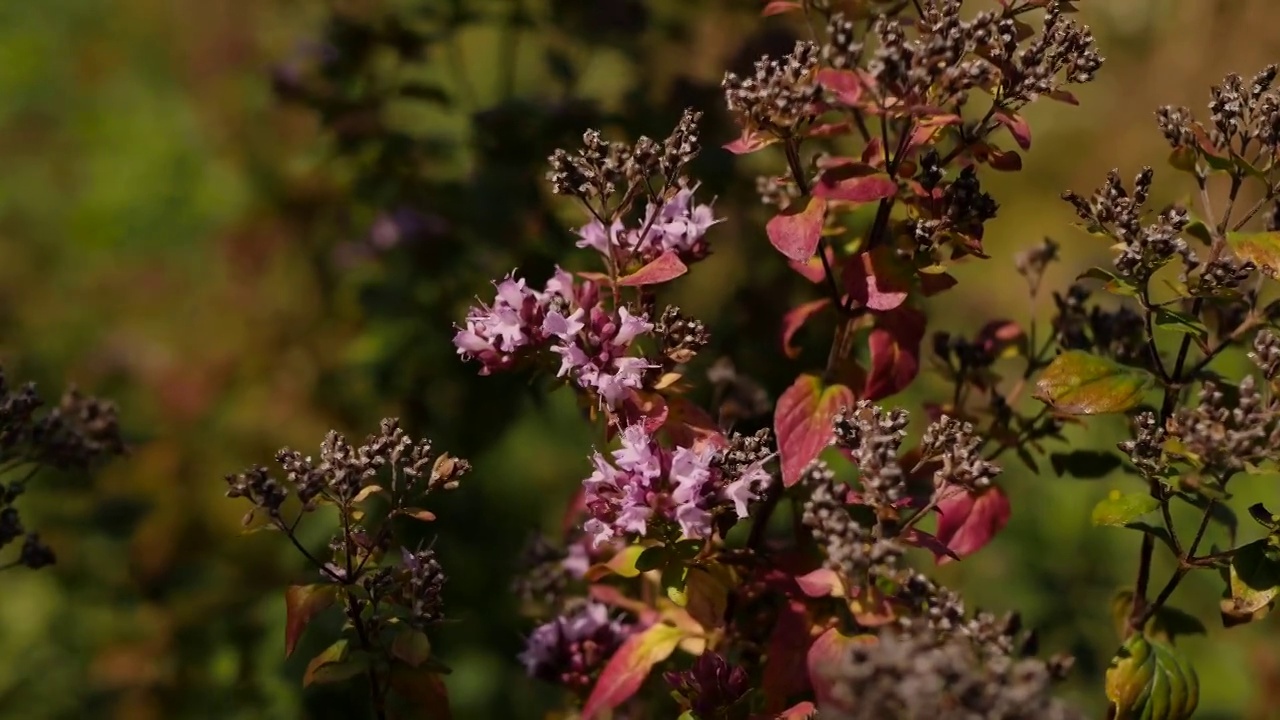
(301, 604)
(796, 231)
(665, 267)
(967, 521)
(630, 665)
(802, 422)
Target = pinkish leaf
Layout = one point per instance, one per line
(802, 422)
(831, 129)
(856, 189)
(795, 319)
(750, 142)
(796, 231)
(821, 583)
(778, 7)
(967, 521)
(799, 711)
(301, 604)
(810, 269)
(829, 649)
(665, 267)
(630, 665)
(784, 668)
(844, 84)
(877, 280)
(895, 352)
(1017, 126)
(933, 283)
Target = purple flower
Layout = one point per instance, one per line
(642, 482)
(570, 650)
(677, 225)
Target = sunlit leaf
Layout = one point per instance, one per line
(301, 604)
(802, 422)
(665, 267)
(1255, 583)
(1261, 248)
(796, 231)
(1079, 383)
(968, 520)
(630, 665)
(1119, 509)
(1173, 321)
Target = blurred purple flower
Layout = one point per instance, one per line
(571, 649)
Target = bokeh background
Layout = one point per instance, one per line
(251, 221)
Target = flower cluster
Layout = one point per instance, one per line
(73, 435)
(780, 96)
(571, 649)
(643, 484)
(711, 688)
(677, 225)
(566, 319)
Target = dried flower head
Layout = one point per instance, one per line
(780, 96)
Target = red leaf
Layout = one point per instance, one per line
(424, 689)
(821, 583)
(750, 142)
(856, 189)
(784, 668)
(812, 269)
(795, 232)
(829, 648)
(895, 352)
(643, 408)
(778, 7)
(845, 84)
(1018, 127)
(967, 522)
(933, 283)
(690, 426)
(877, 279)
(794, 320)
(666, 266)
(629, 666)
(301, 604)
(802, 422)
(1004, 161)
(873, 153)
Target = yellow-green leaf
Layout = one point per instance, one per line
(1255, 584)
(1078, 383)
(1119, 509)
(1261, 248)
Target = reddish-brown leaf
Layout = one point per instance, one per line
(877, 280)
(846, 85)
(795, 319)
(784, 666)
(1017, 126)
(812, 269)
(802, 422)
(855, 189)
(827, 650)
(796, 231)
(664, 268)
(821, 583)
(424, 689)
(778, 7)
(301, 604)
(895, 352)
(630, 665)
(967, 521)
(690, 426)
(750, 142)
(1003, 160)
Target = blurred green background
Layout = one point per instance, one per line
(248, 222)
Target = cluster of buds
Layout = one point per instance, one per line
(781, 96)
(1118, 333)
(1245, 119)
(571, 649)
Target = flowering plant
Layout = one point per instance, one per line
(675, 587)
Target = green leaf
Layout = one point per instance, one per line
(1118, 510)
(301, 604)
(1166, 624)
(1078, 383)
(1150, 680)
(334, 664)
(412, 646)
(1084, 464)
(1180, 323)
(1183, 158)
(1113, 283)
(1261, 248)
(1254, 584)
(1198, 230)
(652, 558)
